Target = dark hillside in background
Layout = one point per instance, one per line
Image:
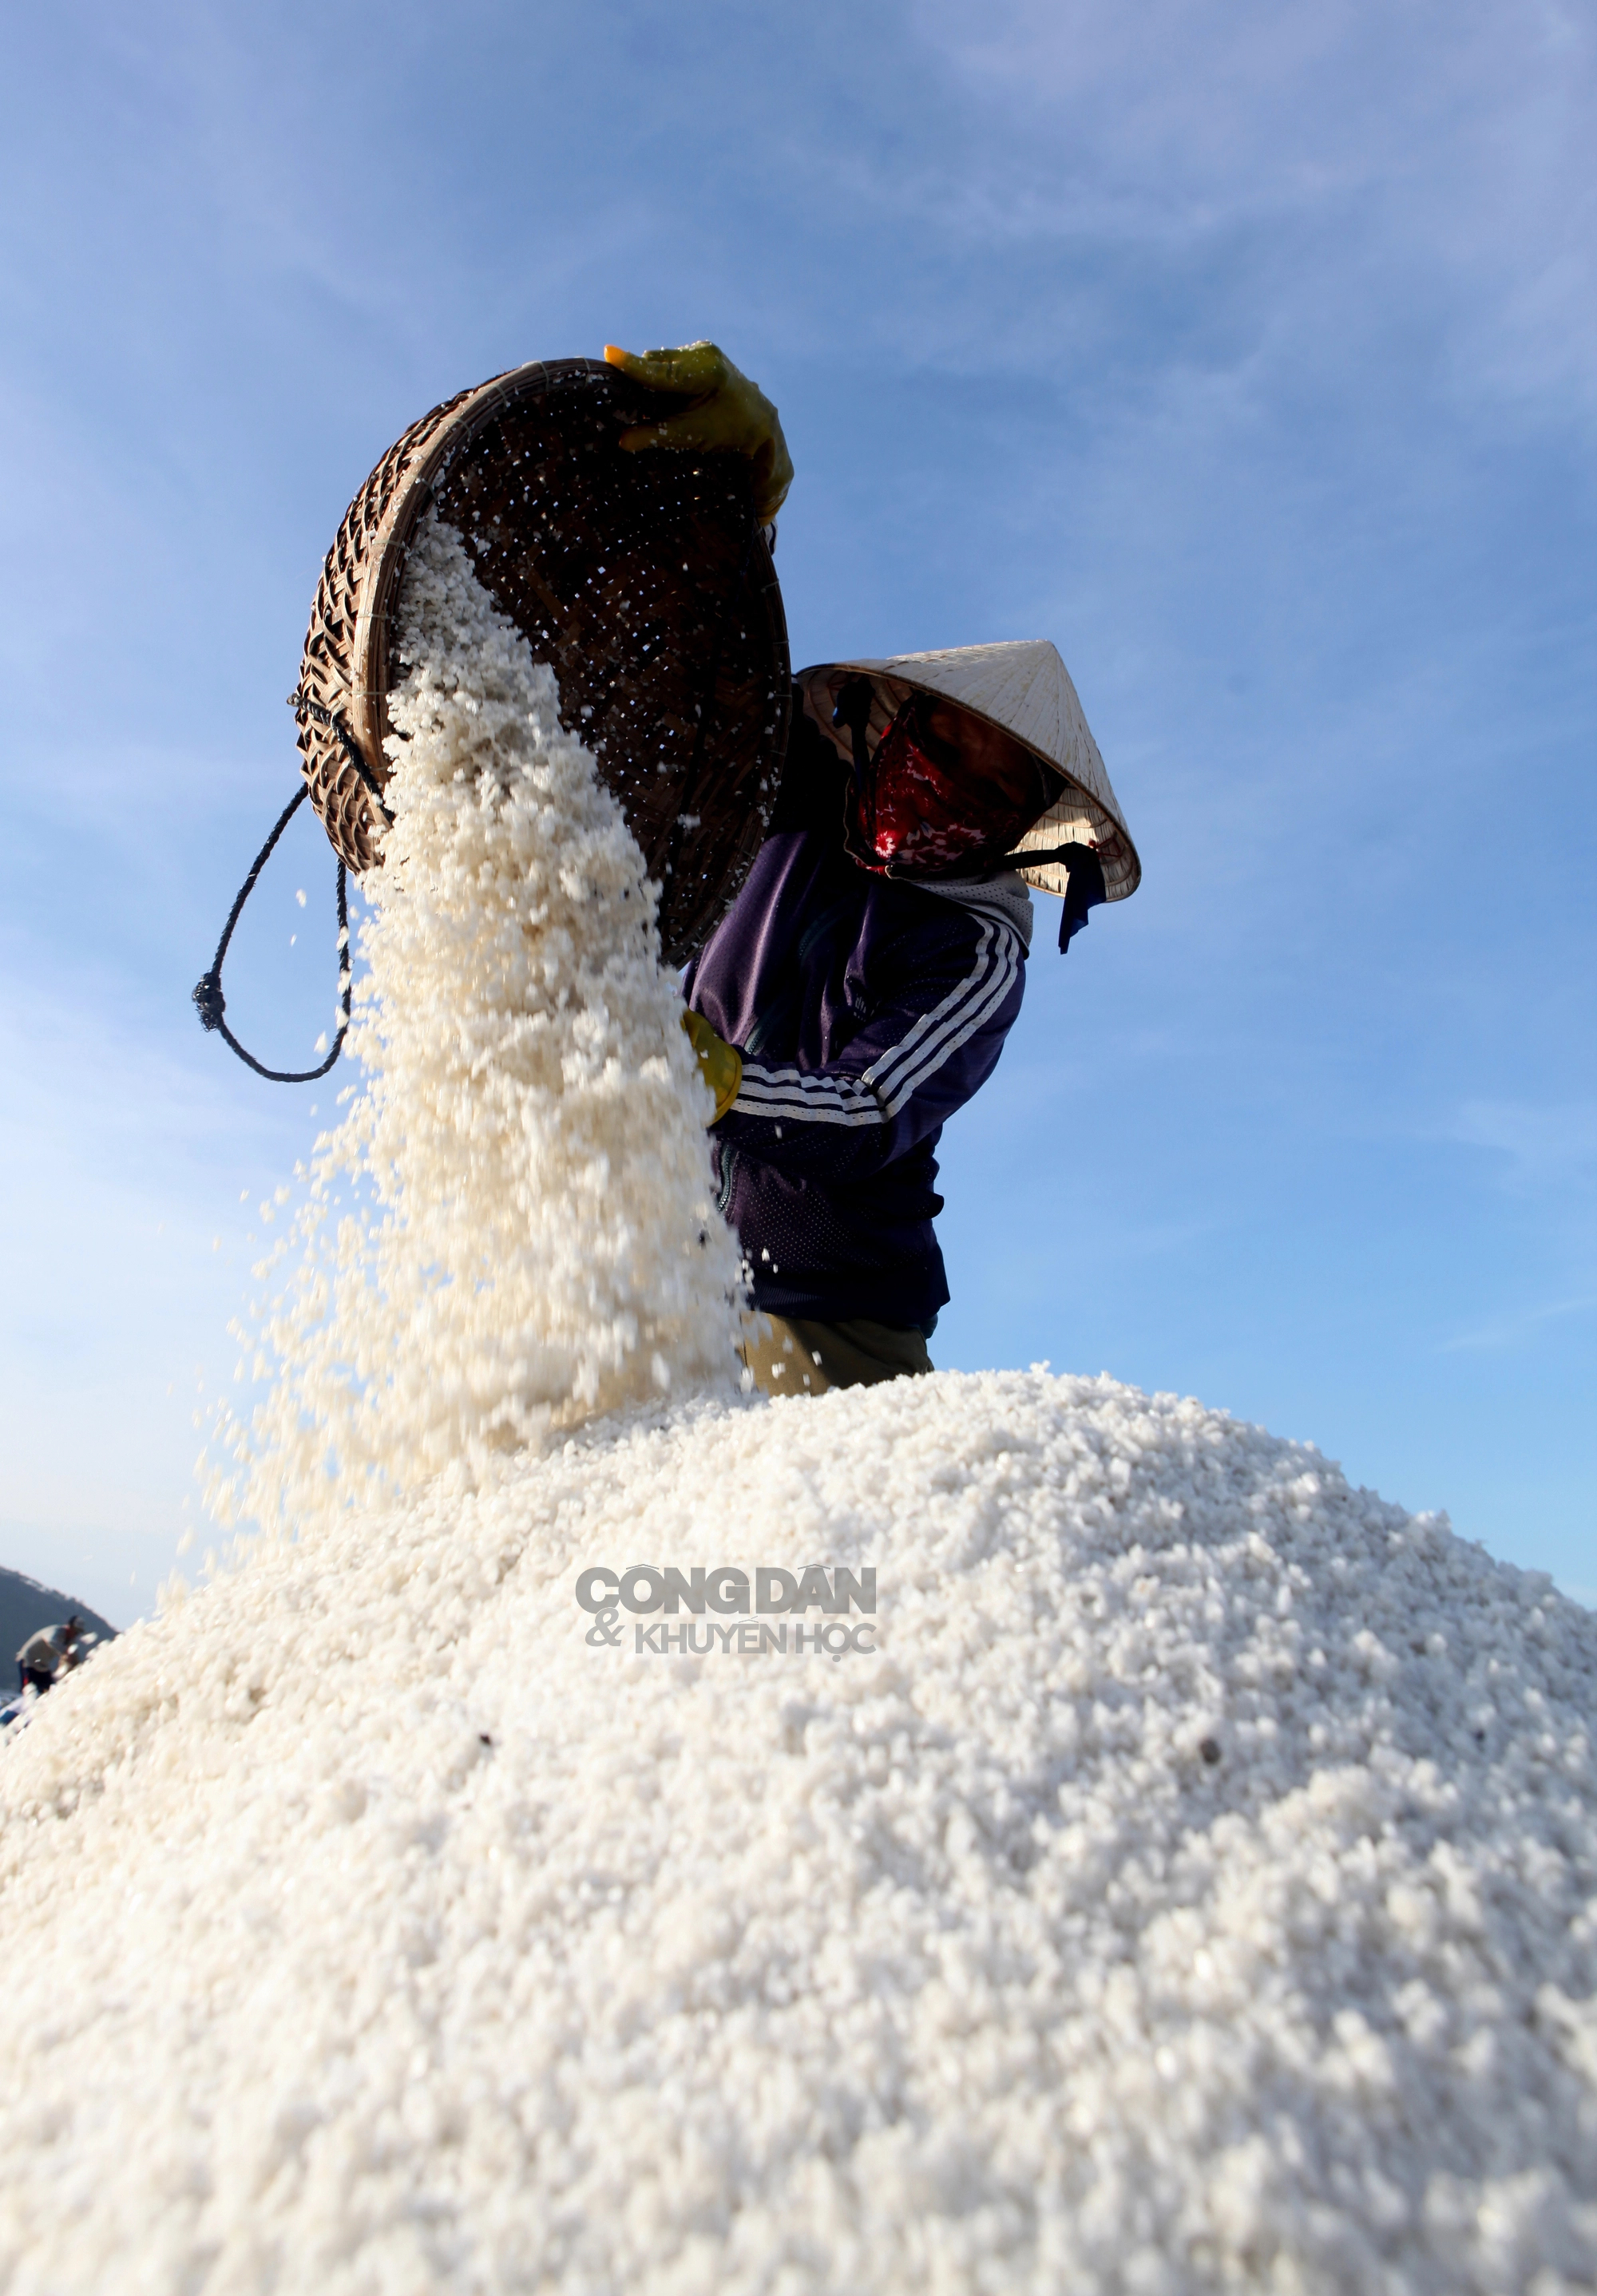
(26, 1606)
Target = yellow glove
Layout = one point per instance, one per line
(720, 1064)
(729, 414)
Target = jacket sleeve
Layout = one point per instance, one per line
(932, 1041)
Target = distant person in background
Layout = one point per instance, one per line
(48, 1655)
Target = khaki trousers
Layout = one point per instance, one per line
(800, 1357)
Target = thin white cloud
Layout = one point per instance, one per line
(1544, 1146)
(1513, 1331)
(1451, 143)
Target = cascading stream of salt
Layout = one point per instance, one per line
(512, 1228)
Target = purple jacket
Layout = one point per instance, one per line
(867, 1011)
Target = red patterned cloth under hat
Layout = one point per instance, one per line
(915, 812)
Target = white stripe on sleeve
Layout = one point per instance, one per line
(898, 1073)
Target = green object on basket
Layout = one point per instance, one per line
(720, 1064)
(729, 414)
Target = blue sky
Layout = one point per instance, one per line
(1248, 352)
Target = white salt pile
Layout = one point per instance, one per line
(1198, 1892)
(1194, 1889)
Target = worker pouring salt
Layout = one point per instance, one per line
(859, 990)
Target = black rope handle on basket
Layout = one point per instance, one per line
(211, 1004)
(300, 701)
(208, 1000)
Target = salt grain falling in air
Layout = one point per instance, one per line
(1198, 1892)
(533, 1236)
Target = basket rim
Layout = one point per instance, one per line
(384, 559)
(341, 701)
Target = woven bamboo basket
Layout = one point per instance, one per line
(642, 580)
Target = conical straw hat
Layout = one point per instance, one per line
(1024, 688)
